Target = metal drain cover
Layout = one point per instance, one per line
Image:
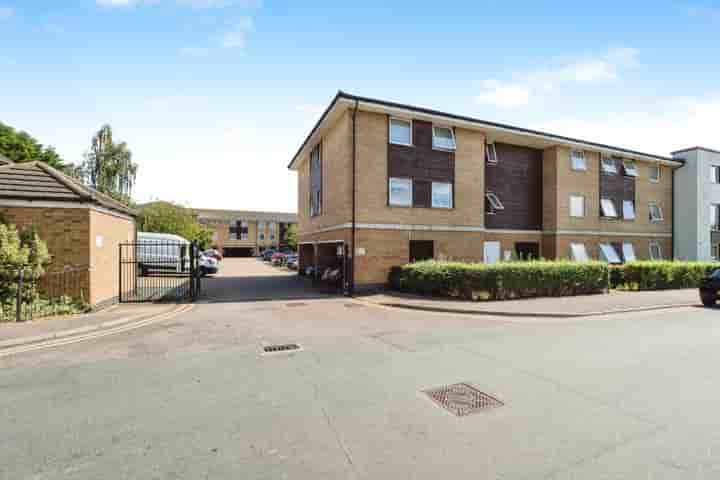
(288, 347)
(462, 399)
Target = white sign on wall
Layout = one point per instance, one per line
(99, 240)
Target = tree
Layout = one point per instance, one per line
(22, 147)
(167, 217)
(291, 236)
(108, 166)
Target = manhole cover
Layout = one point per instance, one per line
(462, 399)
(289, 347)
(296, 304)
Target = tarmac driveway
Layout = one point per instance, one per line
(250, 279)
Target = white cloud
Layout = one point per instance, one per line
(6, 12)
(237, 35)
(669, 126)
(603, 69)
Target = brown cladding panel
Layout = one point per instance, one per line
(421, 161)
(422, 193)
(517, 180)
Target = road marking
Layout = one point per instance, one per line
(97, 334)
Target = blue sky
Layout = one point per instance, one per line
(214, 96)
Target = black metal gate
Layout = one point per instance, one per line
(162, 271)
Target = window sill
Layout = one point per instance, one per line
(409, 145)
(440, 149)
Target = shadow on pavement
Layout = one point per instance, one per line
(258, 288)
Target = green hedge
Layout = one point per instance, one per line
(502, 281)
(661, 275)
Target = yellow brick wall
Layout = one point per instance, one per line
(336, 179)
(107, 232)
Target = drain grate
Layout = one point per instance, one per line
(296, 304)
(462, 399)
(289, 347)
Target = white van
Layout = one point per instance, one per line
(162, 251)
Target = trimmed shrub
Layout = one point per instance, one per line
(502, 281)
(664, 275)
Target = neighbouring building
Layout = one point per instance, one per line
(82, 228)
(697, 197)
(381, 184)
(239, 233)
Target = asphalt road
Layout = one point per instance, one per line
(618, 397)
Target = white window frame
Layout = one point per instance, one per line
(715, 174)
(715, 251)
(655, 168)
(609, 168)
(491, 154)
(245, 235)
(261, 225)
(630, 168)
(605, 204)
(655, 218)
(653, 256)
(409, 181)
(628, 251)
(494, 201)
(628, 210)
(578, 155)
(432, 195)
(609, 253)
(390, 126)
(452, 138)
(580, 255)
(582, 206)
(714, 211)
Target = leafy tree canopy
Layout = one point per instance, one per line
(22, 147)
(167, 217)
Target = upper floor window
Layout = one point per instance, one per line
(272, 226)
(630, 168)
(656, 214)
(442, 196)
(628, 252)
(400, 192)
(715, 173)
(628, 210)
(494, 201)
(609, 253)
(578, 252)
(607, 208)
(608, 165)
(243, 230)
(577, 160)
(577, 206)
(400, 131)
(315, 181)
(491, 154)
(655, 173)
(714, 216)
(443, 138)
(655, 251)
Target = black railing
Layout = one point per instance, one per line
(163, 271)
(57, 292)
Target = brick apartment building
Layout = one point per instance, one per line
(239, 233)
(394, 183)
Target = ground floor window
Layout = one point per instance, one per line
(421, 250)
(609, 254)
(655, 251)
(715, 251)
(628, 252)
(527, 250)
(578, 252)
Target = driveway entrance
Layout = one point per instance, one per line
(250, 279)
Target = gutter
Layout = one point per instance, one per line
(353, 227)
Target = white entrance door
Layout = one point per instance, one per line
(491, 252)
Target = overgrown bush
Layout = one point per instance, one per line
(664, 275)
(21, 251)
(502, 281)
(41, 307)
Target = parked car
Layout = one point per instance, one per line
(208, 265)
(709, 288)
(291, 262)
(213, 253)
(277, 258)
(267, 254)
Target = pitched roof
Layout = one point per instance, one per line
(39, 181)
(208, 214)
(346, 101)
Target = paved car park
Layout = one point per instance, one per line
(621, 396)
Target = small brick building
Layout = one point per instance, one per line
(82, 228)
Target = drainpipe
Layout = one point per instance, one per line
(351, 283)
